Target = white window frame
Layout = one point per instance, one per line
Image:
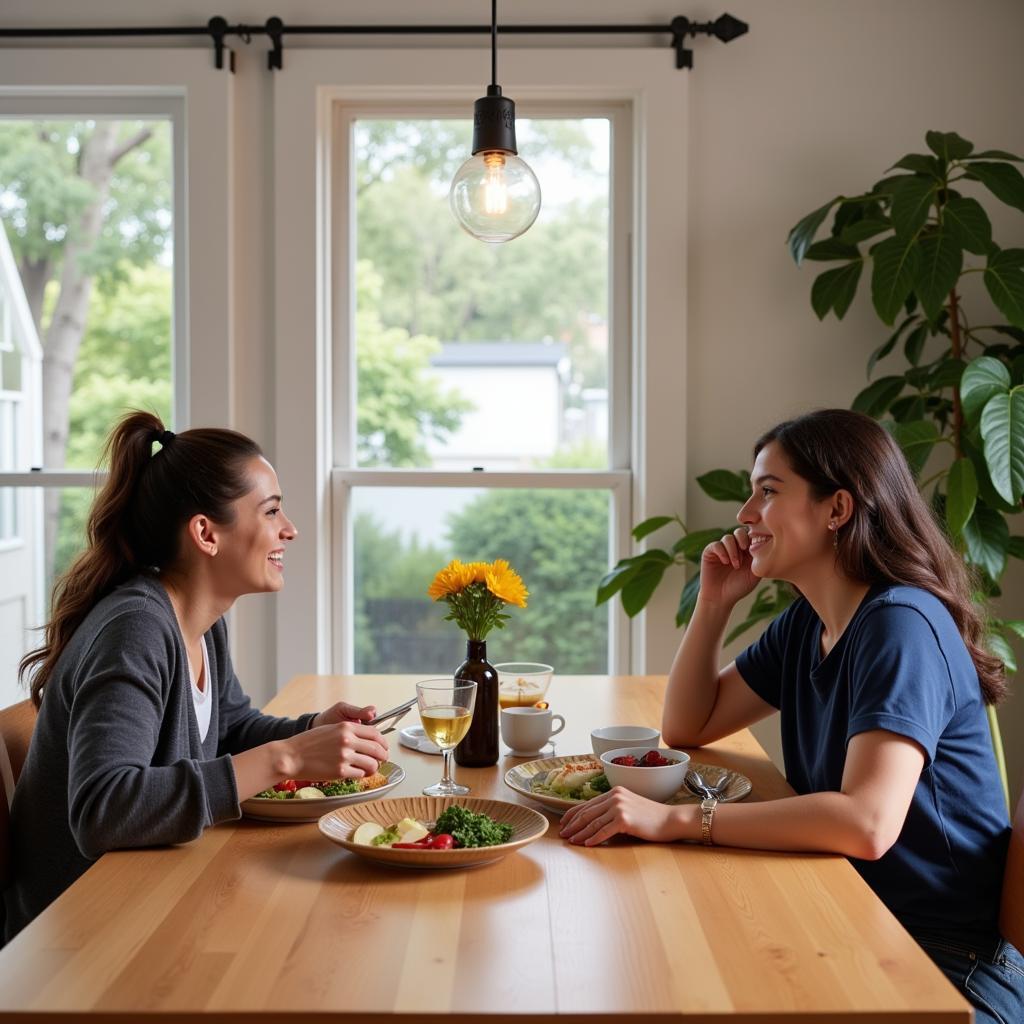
(305, 140)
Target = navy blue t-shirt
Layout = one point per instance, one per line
(901, 665)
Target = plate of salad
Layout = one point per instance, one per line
(564, 782)
(433, 832)
(309, 799)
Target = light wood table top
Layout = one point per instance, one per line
(275, 923)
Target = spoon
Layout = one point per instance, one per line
(697, 784)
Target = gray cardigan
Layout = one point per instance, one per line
(116, 760)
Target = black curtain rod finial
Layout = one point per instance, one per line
(275, 30)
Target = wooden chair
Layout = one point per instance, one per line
(1011, 907)
(16, 725)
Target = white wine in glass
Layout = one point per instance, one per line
(446, 710)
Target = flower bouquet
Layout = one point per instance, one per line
(476, 593)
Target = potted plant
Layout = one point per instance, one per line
(961, 384)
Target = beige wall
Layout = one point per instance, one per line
(818, 99)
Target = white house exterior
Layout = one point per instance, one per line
(21, 563)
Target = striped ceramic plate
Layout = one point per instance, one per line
(338, 826)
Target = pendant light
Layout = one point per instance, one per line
(494, 195)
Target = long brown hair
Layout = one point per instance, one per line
(892, 536)
(135, 522)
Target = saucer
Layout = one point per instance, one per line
(549, 747)
(415, 738)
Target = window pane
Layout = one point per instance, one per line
(470, 354)
(557, 540)
(25, 586)
(86, 208)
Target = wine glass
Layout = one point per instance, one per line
(446, 709)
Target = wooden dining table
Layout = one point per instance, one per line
(272, 922)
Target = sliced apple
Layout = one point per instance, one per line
(366, 833)
(413, 832)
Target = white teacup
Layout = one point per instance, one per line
(526, 730)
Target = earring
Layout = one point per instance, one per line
(835, 535)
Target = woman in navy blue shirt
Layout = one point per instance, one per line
(881, 677)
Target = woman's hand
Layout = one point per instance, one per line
(725, 570)
(621, 810)
(342, 712)
(337, 750)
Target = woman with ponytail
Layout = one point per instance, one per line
(881, 677)
(144, 736)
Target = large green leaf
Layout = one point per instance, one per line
(967, 219)
(860, 230)
(831, 249)
(1002, 430)
(983, 378)
(988, 539)
(917, 438)
(961, 495)
(897, 263)
(637, 592)
(1016, 547)
(835, 289)
(947, 373)
(1002, 180)
(688, 600)
(1004, 279)
(802, 235)
(876, 398)
(920, 163)
(722, 485)
(641, 530)
(691, 546)
(911, 199)
(948, 146)
(915, 343)
(887, 346)
(997, 154)
(972, 446)
(1001, 648)
(941, 261)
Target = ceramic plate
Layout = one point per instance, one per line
(522, 778)
(266, 809)
(339, 825)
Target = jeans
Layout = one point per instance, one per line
(990, 979)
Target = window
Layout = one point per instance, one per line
(95, 275)
(363, 475)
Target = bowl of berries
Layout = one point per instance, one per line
(655, 774)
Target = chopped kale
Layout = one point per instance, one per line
(470, 829)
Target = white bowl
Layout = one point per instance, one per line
(654, 783)
(613, 736)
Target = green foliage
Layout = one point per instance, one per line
(557, 540)
(964, 384)
(400, 405)
(44, 195)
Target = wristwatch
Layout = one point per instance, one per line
(707, 812)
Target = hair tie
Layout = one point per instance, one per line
(165, 438)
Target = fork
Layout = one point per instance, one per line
(696, 782)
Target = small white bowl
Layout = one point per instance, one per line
(613, 736)
(654, 783)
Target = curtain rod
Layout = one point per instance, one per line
(725, 28)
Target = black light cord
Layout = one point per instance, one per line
(494, 42)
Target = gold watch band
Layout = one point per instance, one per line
(707, 813)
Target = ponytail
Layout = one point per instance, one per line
(135, 522)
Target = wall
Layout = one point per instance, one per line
(820, 98)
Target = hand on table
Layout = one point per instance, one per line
(621, 810)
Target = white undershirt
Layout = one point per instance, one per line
(201, 698)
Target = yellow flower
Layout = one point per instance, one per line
(452, 579)
(505, 583)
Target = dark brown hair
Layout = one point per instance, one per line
(136, 520)
(892, 536)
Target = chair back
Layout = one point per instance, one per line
(16, 725)
(1011, 906)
